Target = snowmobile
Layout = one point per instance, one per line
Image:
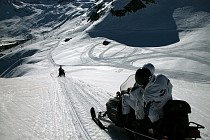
(61, 72)
(174, 126)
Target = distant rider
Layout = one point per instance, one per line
(61, 72)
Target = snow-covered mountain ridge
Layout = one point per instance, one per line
(27, 19)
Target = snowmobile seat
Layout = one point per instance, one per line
(176, 121)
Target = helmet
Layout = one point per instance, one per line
(142, 76)
(150, 67)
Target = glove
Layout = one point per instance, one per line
(129, 89)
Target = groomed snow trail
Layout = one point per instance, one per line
(48, 107)
(38, 112)
(78, 101)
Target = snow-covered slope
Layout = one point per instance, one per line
(36, 104)
(32, 19)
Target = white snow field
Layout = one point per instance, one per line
(36, 104)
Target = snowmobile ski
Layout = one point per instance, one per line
(100, 124)
(95, 119)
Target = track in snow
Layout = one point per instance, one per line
(80, 97)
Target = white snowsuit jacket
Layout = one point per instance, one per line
(157, 92)
(136, 96)
(148, 101)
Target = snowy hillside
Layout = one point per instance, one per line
(36, 104)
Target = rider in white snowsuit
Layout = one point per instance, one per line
(134, 99)
(157, 92)
(149, 96)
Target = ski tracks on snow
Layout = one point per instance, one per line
(79, 98)
(115, 55)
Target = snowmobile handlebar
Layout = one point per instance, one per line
(119, 94)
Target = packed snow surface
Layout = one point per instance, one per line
(37, 104)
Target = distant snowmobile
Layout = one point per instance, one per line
(175, 124)
(61, 72)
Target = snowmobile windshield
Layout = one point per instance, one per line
(128, 83)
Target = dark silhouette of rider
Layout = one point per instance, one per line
(61, 72)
